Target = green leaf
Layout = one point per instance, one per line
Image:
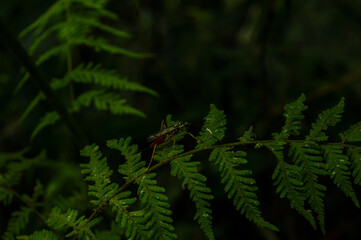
(133, 164)
(95, 74)
(308, 157)
(353, 134)
(154, 202)
(50, 118)
(200, 194)
(337, 166)
(213, 129)
(293, 115)
(289, 183)
(105, 101)
(239, 186)
(17, 222)
(327, 118)
(355, 157)
(248, 135)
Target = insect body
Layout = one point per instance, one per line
(160, 136)
(164, 135)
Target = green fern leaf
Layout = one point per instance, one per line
(248, 135)
(95, 23)
(353, 134)
(105, 101)
(239, 185)
(337, 167)
(50, 118)
(293, 115)
(156, 207)
(40, 235)
(104, 189)
(133, 165)
(17, 222)
(101, 44)
(327, 118)
(288, 180)
(131, 222)
(355, 157)
(308, 158)
(70, 220)
(213, 129)
(98, 173)
(106, 78)
(186, 170)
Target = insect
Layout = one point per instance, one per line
(165, 134)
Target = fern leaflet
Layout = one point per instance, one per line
(308, 158)
(353, 134)
(288, 180)
(67, 220)
(17, 222)
(213, 129)
(355, 157)
(50, 118)
(337, 167)
(40, 235)
(156, 207)
(195, 182)
(239, 185)
(95, 74)
(103, 190)
(293, 115)
(327, 118)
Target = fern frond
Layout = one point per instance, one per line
(103, 189)
(293, 115)
(308, 157)
(353, 134)
(95, 23)
(56, 27)
(98, 173)
(133, 165)
(154, 203)
(327, 118)
(195, 182)
(38, 25)
(213, 129)
(200, 194)
(248, 135)
(14, 164)
(40, 235)
(50, 118)
(239, 185)
(70, 219)
(288, 180)
(17, 222)
(355, 157)
(337, 167)
(95, 74)
(54, 51)
(99, 44)
(104, 101)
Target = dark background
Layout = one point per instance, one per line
(249, 58)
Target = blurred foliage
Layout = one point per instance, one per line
(247, 57)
